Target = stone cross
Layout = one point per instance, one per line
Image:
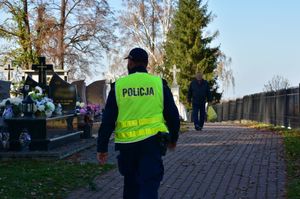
(9, 69)
(42, 67)
(174, 71)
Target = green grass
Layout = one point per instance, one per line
(292, 154)
(292, 146)
(45, 179)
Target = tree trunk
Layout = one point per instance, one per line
(61, 34)
(27, 42)
(152, 41)
(39, 29)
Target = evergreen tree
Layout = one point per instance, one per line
(189, 48)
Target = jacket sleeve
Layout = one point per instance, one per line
(109, 119)
(190, 93)
(170, 113)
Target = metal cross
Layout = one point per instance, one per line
(174, 71)
(42, 67)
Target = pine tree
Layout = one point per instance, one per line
(189, 48)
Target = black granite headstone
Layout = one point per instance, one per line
(96, 92)
(4, 89)
(29, 85)
(64, 93)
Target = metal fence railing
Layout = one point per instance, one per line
(280, 108)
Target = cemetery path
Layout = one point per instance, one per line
(222, 161)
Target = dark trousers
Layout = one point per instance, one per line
(196, 108)
(142, 168)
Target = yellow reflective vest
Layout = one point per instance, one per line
(140, 104)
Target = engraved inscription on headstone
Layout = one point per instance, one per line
(64, 93)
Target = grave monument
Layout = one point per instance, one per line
(175, 92)
(46, 133)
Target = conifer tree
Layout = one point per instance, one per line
(189, 47)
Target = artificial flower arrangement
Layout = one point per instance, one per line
(11, 107)
(91, 111)
(43, 105)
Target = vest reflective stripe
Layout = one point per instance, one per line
(139, 122)
(139, 133)
(139, 99)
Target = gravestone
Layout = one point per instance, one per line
(96, 93)
(4, 89)
(81, 90)
(175, 91)
(174, 71)
(29, 85)
(175, 86)
(42, 68)
(64, 93)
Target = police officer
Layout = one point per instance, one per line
(140, 109)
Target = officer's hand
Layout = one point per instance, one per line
(172, 146)
(102, 158)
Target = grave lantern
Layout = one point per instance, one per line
(28, 106)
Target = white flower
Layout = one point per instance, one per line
(50, 106)
(41, 107)
(39, 89)
(77, 103)
(3, 102)
(47, 99)
(16, 101)
(81, 105)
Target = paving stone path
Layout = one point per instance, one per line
(222, 161)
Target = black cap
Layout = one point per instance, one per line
(138, 54)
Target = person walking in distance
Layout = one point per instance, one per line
(198, 94)
(141, 112)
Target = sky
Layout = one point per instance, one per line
(262, 37)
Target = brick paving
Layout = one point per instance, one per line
(222, 161)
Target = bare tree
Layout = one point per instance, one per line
(224, 73)
(84, 31)
(146, 23)
(74, 34)
(45, 30)
(277, 83)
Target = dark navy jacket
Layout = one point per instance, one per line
(110, 116)
(199, 92)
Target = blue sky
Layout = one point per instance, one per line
(261, 36)
(263, 39)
